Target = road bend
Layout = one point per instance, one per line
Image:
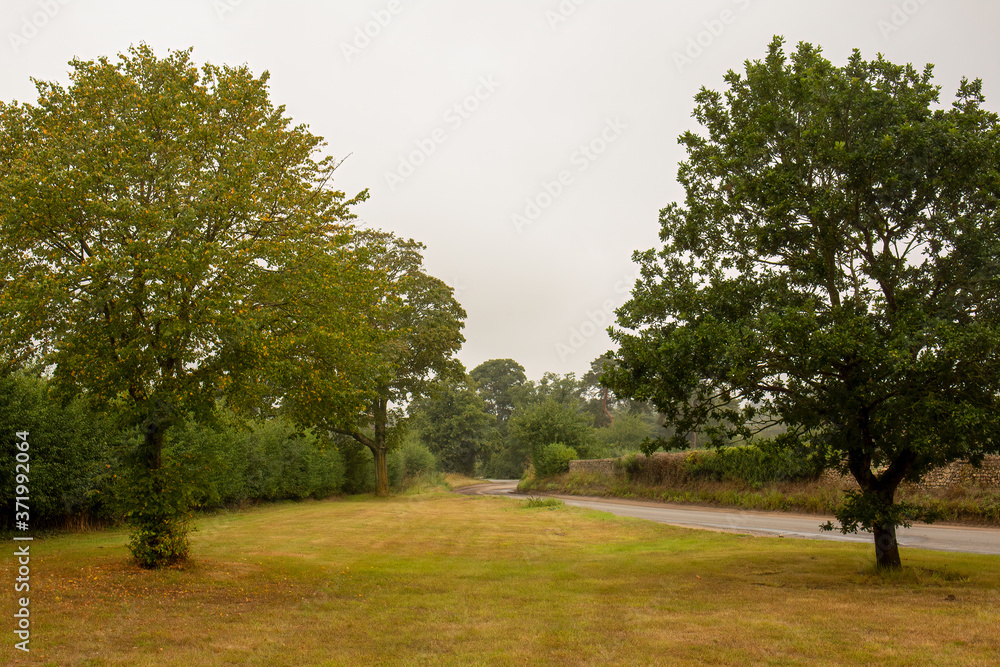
(939, 537)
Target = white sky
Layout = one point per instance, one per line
(534, 81)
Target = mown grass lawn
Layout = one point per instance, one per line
(441, 579)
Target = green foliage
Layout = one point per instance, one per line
(864, 510)
(550, 503)
(409, 461)
(83, 468)
(501, 459)
(497, 381)
(552, 421)
(419, 324)
(285, 463)
(834, 264)
(234, 461)
(626, 434)
(143, 194)
(158, 505)
(454, 424)
(630, 464)
(754, 465)
(70, 468)
(553, 459)
(169, 237)
(359, 467)
(158, 541)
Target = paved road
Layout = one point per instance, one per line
(938, 536)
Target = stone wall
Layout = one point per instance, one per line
(593, 466)
(955, 474)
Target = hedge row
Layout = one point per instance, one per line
(753, 465)
(78, 460)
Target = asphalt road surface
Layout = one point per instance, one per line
(939, 537)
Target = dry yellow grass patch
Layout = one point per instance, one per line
(439, 579)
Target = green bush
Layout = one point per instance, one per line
(81, 466)
(71, 463)
(158, 504)
(359, 466)
(543, 502)
(553, 459)
(292, 464)
(232, 462)
(551, 421)
(626, 434)
(630, 464)
(754, 465)
(409, 461)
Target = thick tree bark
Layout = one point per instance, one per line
(886, 548)
(882, 489)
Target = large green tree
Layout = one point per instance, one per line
(419, 323)
(497, 381)
(835, 264)
(161, 227)
(549, 422)
(454, 424)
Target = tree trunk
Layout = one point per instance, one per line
(381, 471)
(376, 445)
(152, 451)
(882, 490)
(886, 548)
(604, 407)
(380, 448)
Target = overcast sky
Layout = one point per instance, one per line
(528, 143)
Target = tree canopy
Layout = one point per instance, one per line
(454, 424)
(167, 233)
(497, 381)
(834, 264)
(419, 324)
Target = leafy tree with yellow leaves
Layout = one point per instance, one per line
(168, 238)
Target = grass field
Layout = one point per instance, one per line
(441, 579)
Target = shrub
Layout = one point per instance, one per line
(409, 461)
(554, 459)
(626, 434)
(71, 454)
(754, 465)
(359, 466)
(232, 461)
(543, 502)
(551, 421)
(158, 505)
(630, 464)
